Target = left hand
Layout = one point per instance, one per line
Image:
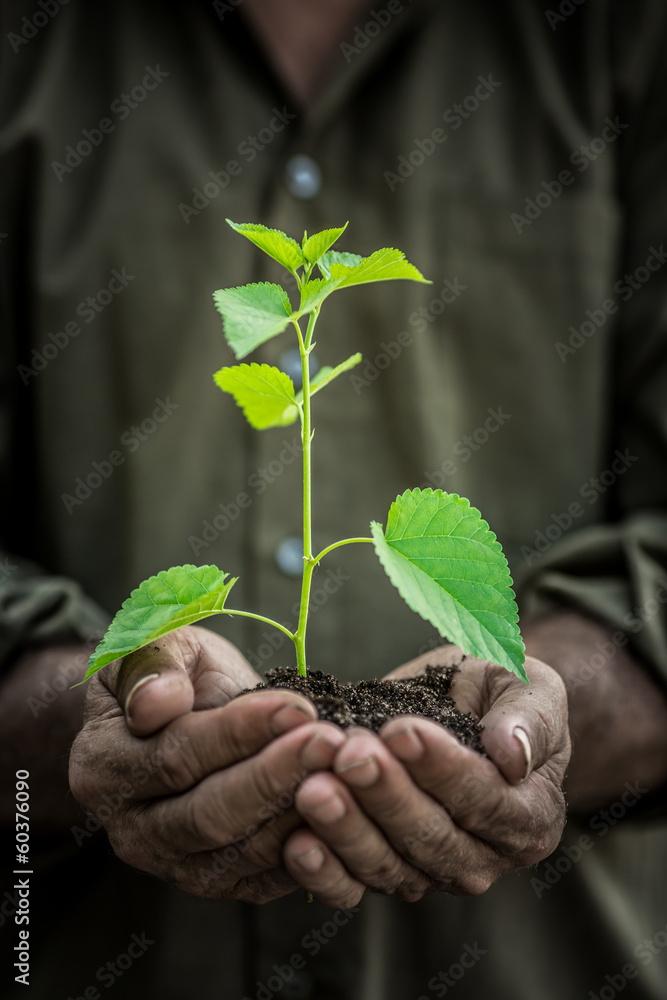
(412, 810)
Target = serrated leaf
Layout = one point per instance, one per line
(449, 567)
(317, 244)
(337, 257)
(175, 597)
(313, 294)
(327, 374)
(273, 242)
(252, 314)
(265, 394)
(383, 265)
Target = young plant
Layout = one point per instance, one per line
(437, 551)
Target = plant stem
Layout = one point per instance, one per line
(306, 437)
(336, 545)
(259, 618)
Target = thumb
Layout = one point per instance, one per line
(153, 685)
(526, 726)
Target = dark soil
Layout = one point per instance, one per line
(372, 703)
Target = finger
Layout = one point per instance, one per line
(521, 822)
(250, 793)
(249, 868)
(213, 741)
(312, 864)
(182, 753)
(189, 668)
(417, 823)
(526, 726)
(363, 850)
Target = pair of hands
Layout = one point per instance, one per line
(251, 798)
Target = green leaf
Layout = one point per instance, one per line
(265, 394)
(313, 294)
(273, 242)
(337, 257)
(383, 265)
(328, 374)
(449, 567)
(317, 244)
(178, 596)
(252, 314)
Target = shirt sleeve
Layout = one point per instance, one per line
(38, 608)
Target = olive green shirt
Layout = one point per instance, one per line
(519, 159)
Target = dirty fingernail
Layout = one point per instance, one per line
(360, 773)
(522, 737)
(312, 860)
(288, 717)
(133, 691)
(406, 744)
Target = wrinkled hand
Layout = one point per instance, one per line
(191, 786)
(412, 810)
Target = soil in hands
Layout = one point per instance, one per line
(371, 703)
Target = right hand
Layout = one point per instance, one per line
(192, 786)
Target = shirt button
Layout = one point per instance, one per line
(303, 176)
(289, 556)
(290, 363)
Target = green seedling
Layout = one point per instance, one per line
(436, 549)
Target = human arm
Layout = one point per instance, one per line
(617, 709)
